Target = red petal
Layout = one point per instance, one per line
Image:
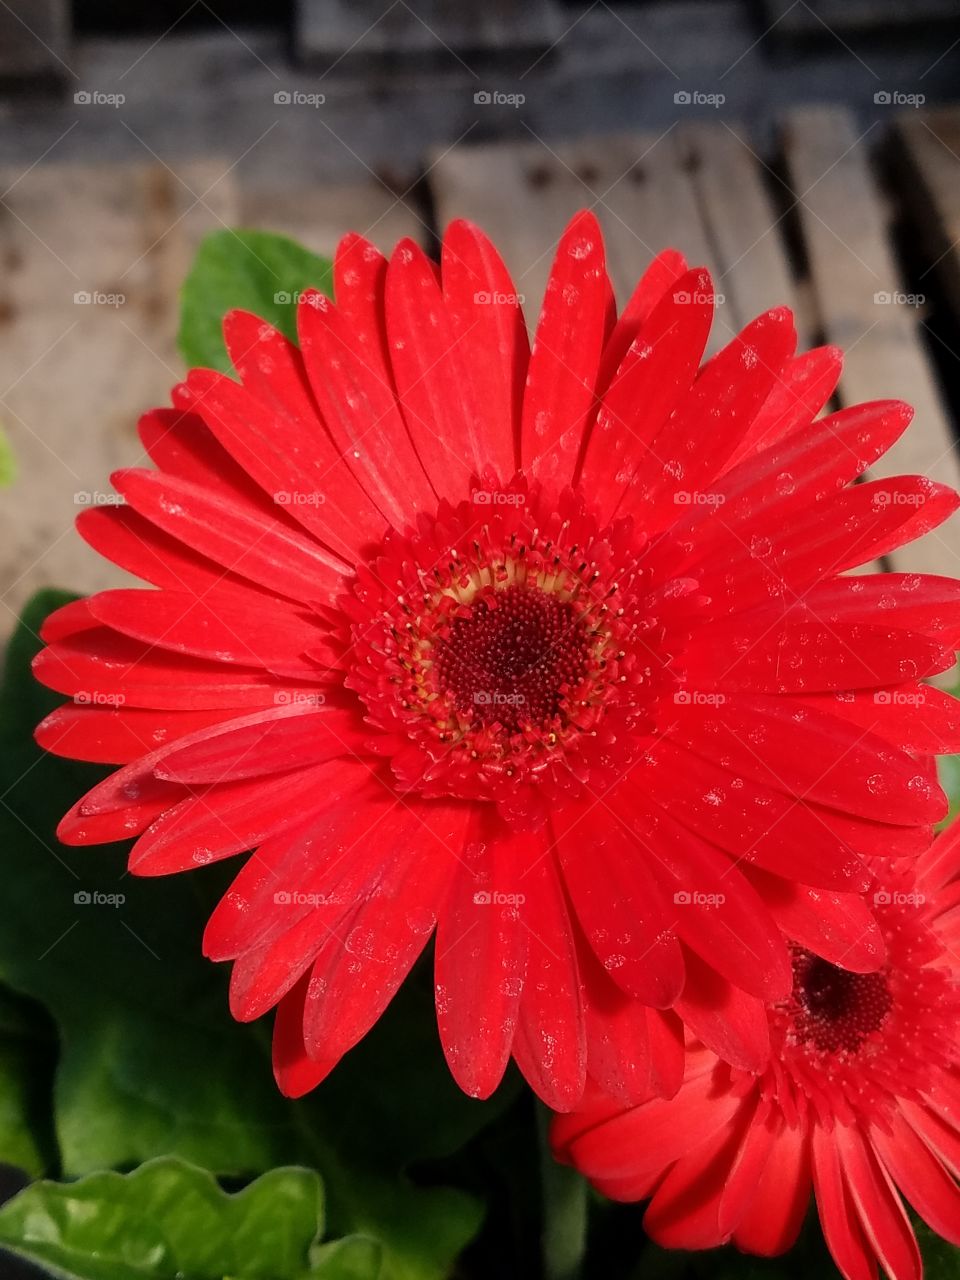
(436, 395)
(229, 819)
(550, 1041)
(650, 383)
(234, 536)
(219, 628)
(800, 751)
(881, 1214)
(621, 909)
(780, 1196)
(694, 444)
(805, 385)
(838, 926)
(481, 955)
(838, 1218)
(295, 1072)
(925, 1182)
(354, 390)
(292, 736)
(665, 269)
(565, 358)
(487, 320)
(291, 457)
(727, 1020)
(352, 982)
(117, 735)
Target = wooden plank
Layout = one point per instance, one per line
(854, 276)
(319, 215)
(523, 195)
(927, 151)
(34, 39)
(327, 31)
(745, 228)
(74, 374)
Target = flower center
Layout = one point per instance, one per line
(507, 652)
(513, 657)
(836, 1010)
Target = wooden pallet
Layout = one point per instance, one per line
(74, 377)
(812, 234)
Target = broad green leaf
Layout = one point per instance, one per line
(152, 1063)
(251, 270)
(169, 1218)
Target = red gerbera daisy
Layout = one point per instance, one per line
(532, 645)
(862, 1097)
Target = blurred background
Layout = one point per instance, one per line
(805, 150)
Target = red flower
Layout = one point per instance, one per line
(542, 647)
(862, 1097)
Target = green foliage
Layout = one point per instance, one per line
(249, 270)
(170, 1219)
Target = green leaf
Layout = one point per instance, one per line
(250, 270)
(354, 1258)
(27, 1054)
(941, 1260)
(151, 1062)
(8, 467)
(169, 1218)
